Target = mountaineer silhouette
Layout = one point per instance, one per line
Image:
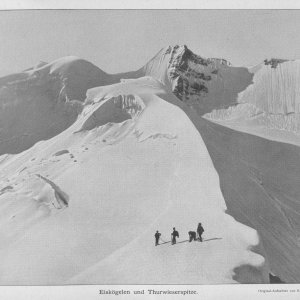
(157, 236)
(192, 236)
(200, 231)
(174, 234)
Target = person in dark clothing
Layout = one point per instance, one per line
(200, 230)
(157, 236)
(192, 236)
(174, 234)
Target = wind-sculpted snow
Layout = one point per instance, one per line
(114, 110)
(118, 182)
(273, 99)
(61, 197)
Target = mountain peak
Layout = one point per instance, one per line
(196, 80)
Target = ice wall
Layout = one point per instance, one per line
(272, 101)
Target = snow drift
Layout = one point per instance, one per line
(78, 207)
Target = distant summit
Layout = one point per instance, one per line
(44, 100)
(204, 83)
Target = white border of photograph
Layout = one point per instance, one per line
(205, 292)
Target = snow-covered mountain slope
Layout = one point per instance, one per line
(204, 83)
(129, 160)
(42, 101)
(270, 104)
(83, 206)
(259, 180)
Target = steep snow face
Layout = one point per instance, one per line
(272, 101)
(41, 102)
(86, 203)
(205, 84)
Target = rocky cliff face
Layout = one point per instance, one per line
(182, 70)
(204, 83)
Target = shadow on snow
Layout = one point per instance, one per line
(185, 241)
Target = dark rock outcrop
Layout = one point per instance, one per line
(204, 83)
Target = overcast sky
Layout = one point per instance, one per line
(123, 40)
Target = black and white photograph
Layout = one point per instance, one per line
(150, 147)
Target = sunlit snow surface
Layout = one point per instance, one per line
(83, 206)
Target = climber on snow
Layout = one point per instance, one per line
(174, 234)
(192, 236)
(157, 236)
(200, 230)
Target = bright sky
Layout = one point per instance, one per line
(124, 40)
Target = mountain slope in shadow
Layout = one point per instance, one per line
(259, 180)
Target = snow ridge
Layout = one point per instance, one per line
(102, 169)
